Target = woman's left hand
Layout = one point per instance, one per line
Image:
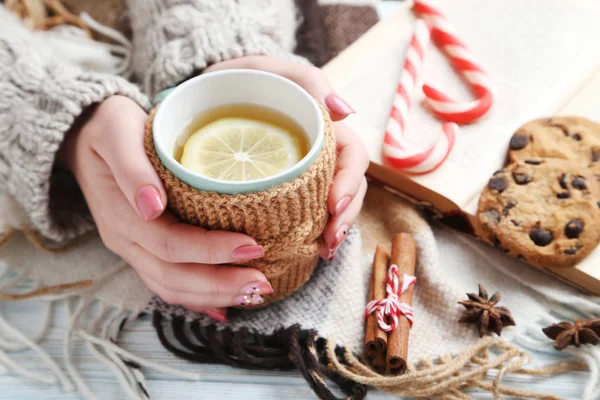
(349, 186)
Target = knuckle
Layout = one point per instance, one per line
(212, 255)
(109, 240)
(218, 286)
(363, 153)
(164, 249)
(313, 72)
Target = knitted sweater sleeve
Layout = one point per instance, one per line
(176, 39)
(40, 98)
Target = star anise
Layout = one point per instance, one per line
(483, 311)
(565, 334)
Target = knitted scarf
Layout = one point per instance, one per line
(319, 329)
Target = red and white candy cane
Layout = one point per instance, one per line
(464, 62)
(390, 309)
(397, 152)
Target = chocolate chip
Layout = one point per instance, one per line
(571, 251)
(595, 155)
(498, 245)
(563, 195)
(533, 162)
(574, 228)
(576, 136)
(515, 222)
(521, 179)
(491, 216)
(541, 237)
(562, 127)
(579, 183)
(498, 184)
(562, 182)
(520, 257)
(518, 141)
(598, 204)
(507, 208)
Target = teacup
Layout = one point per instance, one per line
(216, 89)
(285, 213)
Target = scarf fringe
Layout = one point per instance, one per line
(95, 323)
(285, 349)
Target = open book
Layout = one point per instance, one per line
(543, 58)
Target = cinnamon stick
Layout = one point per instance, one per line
(378, 363)
(404, 255)
(376, 338)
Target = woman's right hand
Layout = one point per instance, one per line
(178, 262)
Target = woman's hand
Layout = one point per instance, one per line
(126, 197)
(349, 186)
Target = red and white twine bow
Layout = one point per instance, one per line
(390, 309)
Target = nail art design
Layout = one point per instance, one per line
(252, 294)
(251, 297)
(341, 234)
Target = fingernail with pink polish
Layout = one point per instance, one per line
(341, 206)
(332, 253)
(251, 293)
(341, 234)
(217, 315)
(245, 253)
(149, 203)
(338, 105)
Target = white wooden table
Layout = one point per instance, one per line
(218, 382)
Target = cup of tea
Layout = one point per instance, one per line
(251, 152)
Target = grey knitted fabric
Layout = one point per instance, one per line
(42, 95)
(332, 302)
(177, 38)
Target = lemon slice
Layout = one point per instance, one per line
(240, 149)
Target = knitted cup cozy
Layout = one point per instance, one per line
(287, 220)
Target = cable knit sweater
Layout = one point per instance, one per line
(42, 95)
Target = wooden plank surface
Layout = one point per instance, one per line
(217, 382)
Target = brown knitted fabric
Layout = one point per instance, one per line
(112, 13)
(344, 24)
(287, 220)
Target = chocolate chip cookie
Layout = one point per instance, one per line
(569, 138)
(545, 211)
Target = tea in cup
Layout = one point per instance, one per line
(238, 131)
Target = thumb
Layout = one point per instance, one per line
(311, 78)
(123, 151)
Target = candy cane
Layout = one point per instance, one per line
(413, 160)
(397, 152)
(390, 309)
(464, 62)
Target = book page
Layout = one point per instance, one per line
(538, 53)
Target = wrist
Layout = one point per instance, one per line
(66, 155)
